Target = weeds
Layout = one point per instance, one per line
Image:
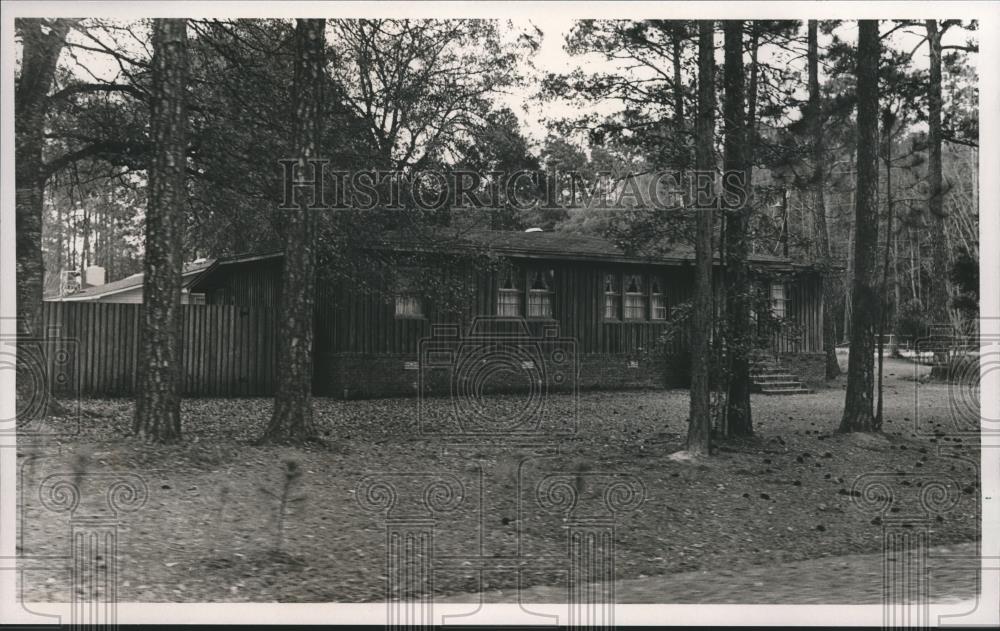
(292, 473)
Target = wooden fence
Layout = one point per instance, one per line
(93, 349)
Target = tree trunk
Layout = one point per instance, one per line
(737, 274)
(832, 369)
(887, 120)
(38, 65)
(849, 278)
(938, 291)
(915, 287)
(784, 222)
(73, 225)
(292, 420)
(158, 403)
(897, 292)
(85, 259)
(752, 91)
(865, 299)
(60, 229)
(677, 46)
(699, 425)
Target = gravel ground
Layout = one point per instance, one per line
(209, 530)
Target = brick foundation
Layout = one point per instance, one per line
(375, 376)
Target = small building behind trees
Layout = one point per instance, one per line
(129, 289)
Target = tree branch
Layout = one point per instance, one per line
(87, 88)
(969, 48)
(959, 141)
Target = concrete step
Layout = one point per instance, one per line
(786, 393)
(772, 378)
(794, 383)
(786, 390)
(778, 376)
(769, 371)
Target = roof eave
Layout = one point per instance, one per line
(118, 290)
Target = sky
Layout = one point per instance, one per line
(551, 57)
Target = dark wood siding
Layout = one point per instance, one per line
(92, 349)
(256, 283)
(364, 322)
(228, 349)
(805, 310)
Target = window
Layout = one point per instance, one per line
(197, 298)
(539, 295)
(657, 300)
(635, 298)
(778, 300)
(409, 303)
(509, 294)
(612, 297)
(409, 306)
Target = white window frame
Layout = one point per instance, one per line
(657, 297)
(539, 297)
(514, 295)
(633, 297)
(409, 304)
(614, 296)
(779, 299)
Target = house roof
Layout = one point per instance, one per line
(204, 280)
(248, 258)
(129, 282)
(558, 245)
(515, 244)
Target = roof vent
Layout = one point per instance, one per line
(534, 230)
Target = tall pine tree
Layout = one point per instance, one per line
(42, 42)
(700, 422)
(858, 411)
(737, 274)
(818, 184)
(292, 419)
(938, 289)
(158, 404)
